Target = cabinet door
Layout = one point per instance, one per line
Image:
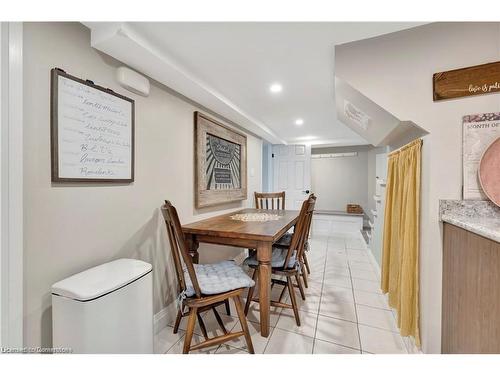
(471, 293)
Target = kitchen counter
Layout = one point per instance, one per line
(479, 217)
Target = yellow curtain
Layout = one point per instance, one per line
(400, 269)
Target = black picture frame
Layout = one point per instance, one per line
(54, 128)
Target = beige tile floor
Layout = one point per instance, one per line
(344, 312)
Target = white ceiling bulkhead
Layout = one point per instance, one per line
(276, 79)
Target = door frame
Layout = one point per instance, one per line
(267, 167)
(11, 185)
(291, 202)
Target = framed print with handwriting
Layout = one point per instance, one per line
(92, 132)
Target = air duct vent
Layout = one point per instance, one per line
(356, 115)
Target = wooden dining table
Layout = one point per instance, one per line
(258, 235)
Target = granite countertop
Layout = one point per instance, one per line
(480, 217)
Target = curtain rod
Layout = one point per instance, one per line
(408, 145)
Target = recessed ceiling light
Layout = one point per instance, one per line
(299, 122)
(275, 88)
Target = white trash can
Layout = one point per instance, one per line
(105, 309)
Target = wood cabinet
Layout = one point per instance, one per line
(471, 293)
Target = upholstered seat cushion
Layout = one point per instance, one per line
(277, 259)
(286, 240)
(218, 278)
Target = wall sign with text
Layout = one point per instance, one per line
(92, 132)
(474, 80)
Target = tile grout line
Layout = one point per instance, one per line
(336, 343)
(383, 329)
(274, 328)
(320, 294)
(269, 339)
(355, 308)
(352, 291)
(197, 334)
(279, 317)
(377, 269)
(370, 262)
(322, 288)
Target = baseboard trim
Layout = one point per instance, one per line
(160, 319)
(374, 261)
(408, 341)
(372, 257)
(410, 345)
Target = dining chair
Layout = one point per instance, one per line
(203, 287)
(266, 201)
(286, 239)
(285, 263)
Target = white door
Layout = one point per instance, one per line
(292, 173)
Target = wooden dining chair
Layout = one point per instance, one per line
(286, 240)
(270, 201)
(202, 287)
(285, 262)
(307, 246)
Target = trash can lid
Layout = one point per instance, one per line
(103, 279)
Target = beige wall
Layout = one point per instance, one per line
(395, 71)
(342, 180)
(70, 227)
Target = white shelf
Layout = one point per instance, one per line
(374, 213)
(377, 198)
(381, 181)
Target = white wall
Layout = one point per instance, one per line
(372, 182)
(341, 180)
(267, 166)
(71, 227)
(328, 176)
(395, 71)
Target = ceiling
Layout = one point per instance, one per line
(234, 65)
(380, 127)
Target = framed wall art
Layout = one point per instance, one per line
(479, 131)
(220, 163)
(92, 132)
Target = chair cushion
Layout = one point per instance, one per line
(286, 240)
(218, 278)
(277, 259)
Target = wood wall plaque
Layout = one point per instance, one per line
(474, 80)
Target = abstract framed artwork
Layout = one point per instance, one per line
(221, 163)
